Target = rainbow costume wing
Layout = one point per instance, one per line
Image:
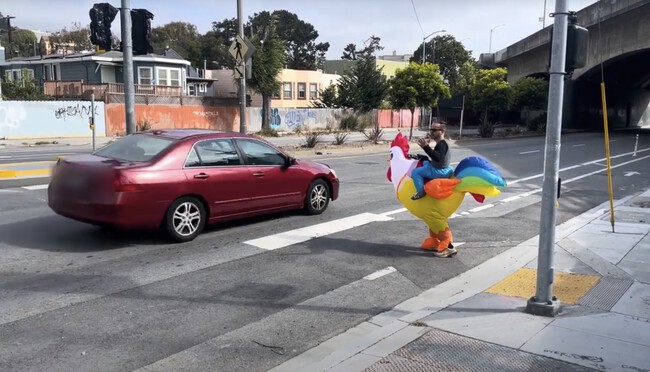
(478, 177)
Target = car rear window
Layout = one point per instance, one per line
(136, 147)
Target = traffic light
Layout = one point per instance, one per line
(141, 31)
(576, 46)
(101, 17)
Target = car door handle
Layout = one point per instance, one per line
(258, 174)
(201, 176)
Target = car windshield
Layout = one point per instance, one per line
(136, 147)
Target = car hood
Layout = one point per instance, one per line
(314, 165)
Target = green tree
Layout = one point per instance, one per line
(75, 39)
(183, 37)
(530, 93)
(352, 53)
(363, 87)
(467, 74)
(215, 43)
(327, 98)
(491, 92)
(267, 62)
(23, 89)
(446, 52)
(302, 51)
(23, 42)
(530, 97)
(417, 85)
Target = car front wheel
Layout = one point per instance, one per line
(318, 197)
(185, 219)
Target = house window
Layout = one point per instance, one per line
(191, 90)
(16, 74)
(276, 94)
(287, 92)
(145, 76)
(302, 91)
(313, 91)
(168, 76)
(203, 88)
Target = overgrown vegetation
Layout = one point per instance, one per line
(143, 125)
(269, 132)
(23, 89)
(312, 138)
(374, 135)
(340, 138)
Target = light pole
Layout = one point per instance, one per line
(491, 30)
(424, 46)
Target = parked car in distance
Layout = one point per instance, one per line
(182, 180)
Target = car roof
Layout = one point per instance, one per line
(185, 134)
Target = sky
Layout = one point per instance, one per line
(338, 22)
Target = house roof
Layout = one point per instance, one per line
(169, 56)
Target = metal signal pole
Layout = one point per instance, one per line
(544, 303)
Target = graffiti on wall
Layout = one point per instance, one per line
(299, 118)
(293, 118)
(25, 119)
(11, 118)
(206, 114)
(80, 110)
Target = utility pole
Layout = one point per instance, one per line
(127, 65)
(544, 303)
(242, 80)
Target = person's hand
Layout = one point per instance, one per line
(423, 142)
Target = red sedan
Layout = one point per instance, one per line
(181, 180)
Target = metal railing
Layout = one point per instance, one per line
(79, 89)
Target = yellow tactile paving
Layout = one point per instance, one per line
(568, 288)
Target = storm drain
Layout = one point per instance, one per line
(443, 351)
(606, 293)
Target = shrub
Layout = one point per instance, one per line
(374, 135)
(143, 125)
(340, 138)
(349, 122)
(268, 132)
(486, 129)
(312, 139)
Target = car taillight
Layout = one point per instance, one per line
(122, 183)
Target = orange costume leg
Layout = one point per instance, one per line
(439, 241)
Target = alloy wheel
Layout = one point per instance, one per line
(318, 198)
(186, 219)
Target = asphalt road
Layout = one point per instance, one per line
(75, 298)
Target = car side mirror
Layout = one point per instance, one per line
(289, 161)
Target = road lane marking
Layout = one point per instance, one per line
(28, 163)
(379, 273)
(304, 234)
(593, 162)
(396, 211)
(35, 187)
(529, 152)
(579, 145)
(482, 207)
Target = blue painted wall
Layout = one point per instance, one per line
(48, 119)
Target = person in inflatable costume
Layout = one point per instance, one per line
(473, 175)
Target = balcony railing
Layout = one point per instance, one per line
(79, 89)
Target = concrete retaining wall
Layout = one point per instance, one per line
(41, 119)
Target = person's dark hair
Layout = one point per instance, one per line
(442, 125)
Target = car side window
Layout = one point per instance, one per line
(257, 153)
(213, 153)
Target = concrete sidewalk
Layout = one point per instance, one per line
(476, 321)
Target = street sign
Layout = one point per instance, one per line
(241, 49)
(239, 72)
